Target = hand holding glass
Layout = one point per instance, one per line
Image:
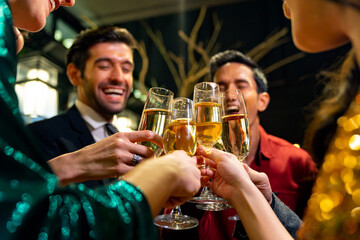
(207, 99)
(156, 114)
(235, 126)
(180, 134)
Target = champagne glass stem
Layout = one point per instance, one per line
(176, 213)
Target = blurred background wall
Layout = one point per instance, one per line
(176, 38)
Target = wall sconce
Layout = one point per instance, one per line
(36, 88)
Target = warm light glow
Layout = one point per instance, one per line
(58, 35)
(68, 42)
(124, 124)
(43, 75)
(137, 94)
(32, 74)
(37, 99)
(350, 161)
(297, 145)
(356, 196)
(38, 74)
(354, 142)
(326, 205)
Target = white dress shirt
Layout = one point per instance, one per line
(94, 121)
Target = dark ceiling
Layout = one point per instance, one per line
(245, 24)
(103, 12)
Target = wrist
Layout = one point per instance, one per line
(160, 186)
(64, 168)
(243, 191)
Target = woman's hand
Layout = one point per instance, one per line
(225, 169)
(166, 181)
(229, 173)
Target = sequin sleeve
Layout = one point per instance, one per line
(77, 212)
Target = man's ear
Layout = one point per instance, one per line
(263, 101)
(73, 74)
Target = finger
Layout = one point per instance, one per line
(130, 148)
(205, 181)
(203, 162)
(252, 173)
(141, 150)
(200, 161)
(214, 154)
(247, 168)
(145, 135)
(210, 163)
(207, 172)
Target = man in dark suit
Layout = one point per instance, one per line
(100, 66)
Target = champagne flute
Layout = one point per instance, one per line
(207, 101)
(235, 126)
(180, 134)
(156, 114)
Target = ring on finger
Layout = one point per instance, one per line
(136, 159)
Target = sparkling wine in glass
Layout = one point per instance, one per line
(180, 134)
(235, 126)
(207, 99)
(156, 114)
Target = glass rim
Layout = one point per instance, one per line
(182, 98)
(213, 84)
(232, 90)
(162, 91)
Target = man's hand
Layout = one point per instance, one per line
(108, 158)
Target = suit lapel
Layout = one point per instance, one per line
(78, 124)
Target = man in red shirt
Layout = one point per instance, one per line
(290, 169)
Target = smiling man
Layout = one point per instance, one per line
(100, 65)
(291, 170)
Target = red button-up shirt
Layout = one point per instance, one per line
(291, 172)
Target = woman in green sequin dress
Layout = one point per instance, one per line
(333, 211)
(32, 205)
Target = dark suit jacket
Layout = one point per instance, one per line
(61, 134)
(64, 133)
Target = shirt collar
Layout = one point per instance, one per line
(90, 116)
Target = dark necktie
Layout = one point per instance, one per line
(111, 129)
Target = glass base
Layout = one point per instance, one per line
(175, 222)
(213, 206)
(207, 197)
(234, 218)
(208, 200)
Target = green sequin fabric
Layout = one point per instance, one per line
(32, 206)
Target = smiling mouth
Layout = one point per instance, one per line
(114, 91)
(232, 109)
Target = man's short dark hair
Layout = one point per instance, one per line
(220, 59)
(78, 54)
